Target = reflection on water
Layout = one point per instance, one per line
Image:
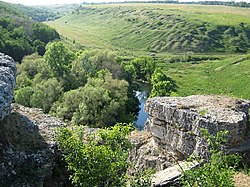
(142, 96)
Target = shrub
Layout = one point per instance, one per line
(218, 171)
(96, 159)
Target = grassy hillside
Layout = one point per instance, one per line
(159, 28)
(229, 76)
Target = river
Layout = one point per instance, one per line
(142, 94)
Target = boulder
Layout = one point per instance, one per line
(7, 84)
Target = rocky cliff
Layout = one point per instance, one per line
(7, 84)
(28, 151)
(172, 131)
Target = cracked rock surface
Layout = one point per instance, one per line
(7, 84)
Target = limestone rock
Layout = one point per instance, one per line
(172, 132)
(28, 150)
(169, 176)
(176, 121)
(7, 84)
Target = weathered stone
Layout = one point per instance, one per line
(7, 84)
(172, 132)
(28, 150)
(176, 121)
(169, 176)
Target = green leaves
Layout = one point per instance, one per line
(218, 171)
(162, 84)
(96, 159)
(59, 58)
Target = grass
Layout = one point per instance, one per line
(147, 28)
(229, 76)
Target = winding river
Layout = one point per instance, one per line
(142, 95)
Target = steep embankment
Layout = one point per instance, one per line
(173, 131)
(158, 28)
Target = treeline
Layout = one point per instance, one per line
(229, 3)
(20, 37)
(18, 10)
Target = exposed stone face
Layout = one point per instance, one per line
(28, 150)
(7, 84)
(172, 131)
(176, 121)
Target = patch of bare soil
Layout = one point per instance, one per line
(241, 180)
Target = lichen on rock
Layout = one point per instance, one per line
(7, 84)
(28, 150)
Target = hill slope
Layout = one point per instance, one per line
(37, 14)
(159, 28)
(229, 76)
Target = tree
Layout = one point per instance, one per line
(45, 94)
(58, 58)
(101, 102)
(144, 67)
(104, 101)
(162, 85)
(44, 33)
(22, 80)
(96, 60)
(96, 159)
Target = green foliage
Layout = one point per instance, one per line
(219, 170)
(23, 95)
(20, 37)
(44, 33)
(101, 102)
(32, 65)
(58, 58)
(162, 84)
(45, 94)
(95, 60)
(142, 178)
(96, 159)
(22, 80)
(144, 68)
(27, 12)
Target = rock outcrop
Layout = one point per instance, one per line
(7, 84)
(172, 131)
(28, 151)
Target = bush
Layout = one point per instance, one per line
(96, 159)
(218, 171)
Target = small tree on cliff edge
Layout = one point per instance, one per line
(162, 84)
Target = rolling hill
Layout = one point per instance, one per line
(158, 28)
